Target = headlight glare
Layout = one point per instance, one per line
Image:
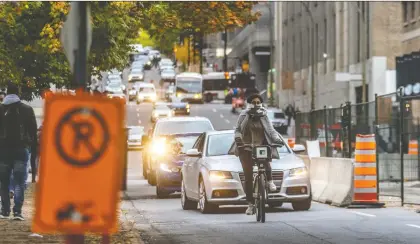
(220, 175)
(298, 171)
(159, 146)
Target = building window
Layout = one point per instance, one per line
(405, 11)
(325, 45)
(294, 56)
(358, 39)
(301, 51)
(334, 35)
(308, 49)
(316, 43)
(413, 10)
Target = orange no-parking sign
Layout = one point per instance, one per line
(81, 165)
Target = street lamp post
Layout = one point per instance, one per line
(312, 119)
(271, 70)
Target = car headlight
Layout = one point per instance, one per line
(178, 94)
(159, 146)
(170, 114)
(220, 175)
(140, 97)
(298, 171)
(188, 106)
(198, 95)
(130, 77)
(167, 168)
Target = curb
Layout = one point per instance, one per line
(129, 226)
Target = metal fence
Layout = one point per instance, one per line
(395, 121)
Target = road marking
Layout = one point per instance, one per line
(221, 116)
(363, 214)
(137, 109)
(415, 226)
(214, 110)
(227, 121)
(139, 121)
(138, 115)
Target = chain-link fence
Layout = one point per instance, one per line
(388, 144)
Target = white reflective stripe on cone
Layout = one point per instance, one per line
(365, 165)
(365, 177)
(364, 190)
(364, 152)
(364, 139)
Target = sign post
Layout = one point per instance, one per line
(82, 149)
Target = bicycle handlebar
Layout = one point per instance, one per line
(252, 145)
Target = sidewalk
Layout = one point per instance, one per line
(18, 231)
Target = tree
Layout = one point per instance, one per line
(31, 52)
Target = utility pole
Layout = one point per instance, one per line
(271, 71)
(225, 63)
(364, 50)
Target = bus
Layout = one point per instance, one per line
(214, 85)
(189, 87)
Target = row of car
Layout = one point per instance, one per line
(187, 155)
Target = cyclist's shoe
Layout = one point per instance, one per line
(250, 209)
(272, 186)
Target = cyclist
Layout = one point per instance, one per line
(254, 127)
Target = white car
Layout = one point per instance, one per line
(136, 74)
(213, 176)
(168, 75)
(147, 92)
(161, 110)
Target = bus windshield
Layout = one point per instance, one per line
(189, 85)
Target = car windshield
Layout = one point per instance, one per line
(136, 71)
(147, 89)
(187, 142)
(189, 85)
(182, 127)
(168, 72)
(136, 130)
(161, 106)
(219, 145)
(113, 77)
(275, 115)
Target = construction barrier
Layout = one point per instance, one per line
(332, 180)
(365, 178)
(413, 147)
(291, 142)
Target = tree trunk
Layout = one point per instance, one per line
(188, 50)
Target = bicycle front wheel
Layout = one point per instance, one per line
(262, 198)
(257, 198)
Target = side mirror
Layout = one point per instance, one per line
(144, 140)
(298, 148)
(193, 153)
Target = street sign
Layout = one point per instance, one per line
(69, 35)
(82, 154)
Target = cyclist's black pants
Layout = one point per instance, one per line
(247, 164)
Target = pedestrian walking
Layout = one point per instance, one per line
(18, 138)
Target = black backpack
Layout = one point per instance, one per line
(14, 132)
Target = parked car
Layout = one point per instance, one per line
(213, 176)
(135, 134)
(155, 144)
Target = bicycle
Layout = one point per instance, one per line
(261, 155)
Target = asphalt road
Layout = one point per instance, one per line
(163, 220)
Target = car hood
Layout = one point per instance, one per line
(278, 120)
(232, 163)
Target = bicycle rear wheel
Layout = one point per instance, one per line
(262, 197)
